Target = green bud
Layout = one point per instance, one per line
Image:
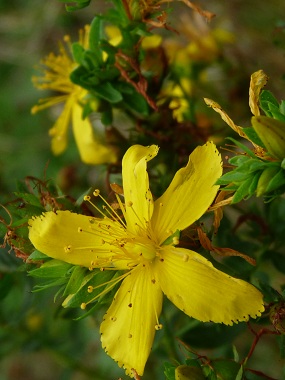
(272, 133)
(185, 372)
(264, 179)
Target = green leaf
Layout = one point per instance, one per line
(239, 160)
(79, 5)
(169, 371)
(243, 191)
(277, 181)
(253, 136)
(77, 276)
(265, 99)
(29, 198)
(226, 369)
(233, 176)
(78, 52)
(37, 255)
(253, 186)
(95, 36)
(282, 107)
(51, 269)
(97, 280)
(107, 92)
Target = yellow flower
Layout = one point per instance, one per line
(56, 70)
(143, 244)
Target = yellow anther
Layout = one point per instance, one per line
(83, 306)
(158, 326)
(96, 192)
(175, 240)
(185, 258)
(67, 248)
(80, 229)
(90, 289)
(87, 197)
(129, 204)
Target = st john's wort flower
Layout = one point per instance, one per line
(142, 246)
(56, 70)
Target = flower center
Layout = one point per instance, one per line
(145, 250)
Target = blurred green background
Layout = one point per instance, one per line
(38, 339)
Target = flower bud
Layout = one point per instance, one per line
(272, 133)
(264, 179)
(185, 372)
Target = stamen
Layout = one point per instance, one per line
(113, 282)
(109, 208)
(90, 289)
(175, 240)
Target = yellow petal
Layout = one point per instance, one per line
(192, 283)
(257, 81)
(190, 193)
(74, 238)
(91, 150)
(129, 326)
(59, 130)
(138, 198)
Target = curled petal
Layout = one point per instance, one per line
(257, 81)
(129, 326)
(58, 132)
(196, 287)
(138, 198)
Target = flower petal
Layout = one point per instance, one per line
(128, 328)
(58, 132)
(190, 193)
(136, 185)
(91, 150)
(192, 283)
(76, 239)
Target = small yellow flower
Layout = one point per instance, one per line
(56, 70)
(143, 245)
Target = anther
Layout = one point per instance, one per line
(87, 197)
(185, 258)
(175, 240)
(158, 326)
(96, 192)
(83, 306)
(90, 289)
(67, 248)
(129, 204)
(80, 229)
